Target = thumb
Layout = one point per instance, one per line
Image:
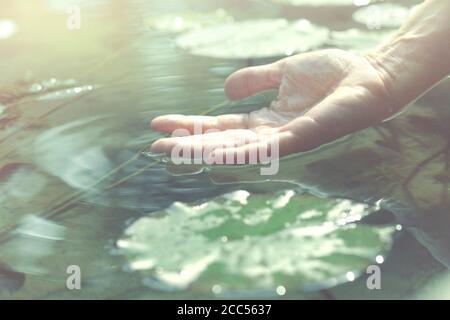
(249, 81)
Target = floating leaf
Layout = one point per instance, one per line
(242, 242)
(357, 40)
(254, 39)
(184, 21)
(385, 15)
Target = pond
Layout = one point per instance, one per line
(77, 188)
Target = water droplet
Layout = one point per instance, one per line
(66, 93)
(35, 88)
(379, 259)
(350, 276)
(216, 289)
(281, 291)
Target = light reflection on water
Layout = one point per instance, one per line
(7, 29)
(135, 75)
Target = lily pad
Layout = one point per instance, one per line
(262, 38)
(384, 15)
(357, 40)
(318, 3)
(184, 21)
(240, 242)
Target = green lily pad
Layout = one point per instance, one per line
(357, 40)
(240, 242)
(318, 3)
(263, 38)
(184, 21)
(384, 15)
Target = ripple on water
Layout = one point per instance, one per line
(90, 155)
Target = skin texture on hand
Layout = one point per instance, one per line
(323, 95)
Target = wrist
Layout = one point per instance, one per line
(406, 75)
(418, 55)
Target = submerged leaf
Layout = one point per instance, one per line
(263, 38)
(242, 242)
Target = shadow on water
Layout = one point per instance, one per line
(72, 177)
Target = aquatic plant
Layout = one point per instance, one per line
(383, 15)
(188, 20)
(254, 39)
(242, 242)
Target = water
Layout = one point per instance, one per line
(73, 178)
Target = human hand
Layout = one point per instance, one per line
(323, 96)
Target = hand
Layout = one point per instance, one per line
(323, 96)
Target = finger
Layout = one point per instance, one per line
(249, 81)
(199, 143)
(198, 124)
